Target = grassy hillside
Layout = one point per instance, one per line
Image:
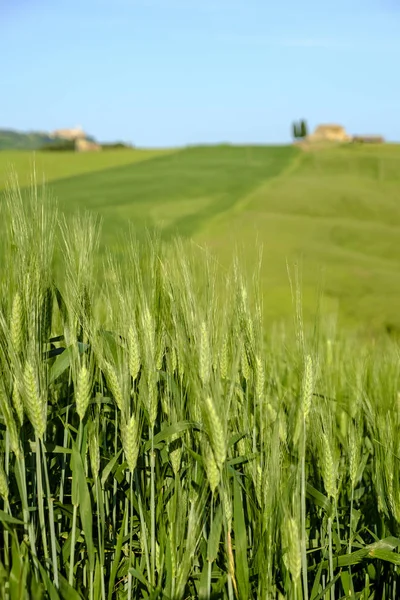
(30, 140)
(54, 166)
(178, 193)
(15, 140)
(336, 212)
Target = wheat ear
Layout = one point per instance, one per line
(83, 391)
(215, 431)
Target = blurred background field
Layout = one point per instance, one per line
(336, 212)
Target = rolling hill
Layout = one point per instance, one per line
(336, 212)
(16, 140)
(51, 166)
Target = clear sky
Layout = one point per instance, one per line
(175, 72)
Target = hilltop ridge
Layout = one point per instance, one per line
(72, 138)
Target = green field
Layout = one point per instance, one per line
(54, 166)
(335, 211)
(157, 441)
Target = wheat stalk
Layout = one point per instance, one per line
(204, 354)
(223, 359)
(259, 378)
(18, 403)
(3, 481)
(17, 324)
(152, 399)
(94, 450)
(134, 352)
(329, 468)
(211, 467)
(83, 391)
(215, 432)
(292, 556)
(33, 403)
(308, 384)
(130, 441)
(114, 385)
(245, 363)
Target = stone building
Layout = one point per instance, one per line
(82, 142)
(74, 133)
(332, 133)
(83, 145)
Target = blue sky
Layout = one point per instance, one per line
(175, 72)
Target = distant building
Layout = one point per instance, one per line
(369, 139)
(333, 133)
(75, 133)
(82, 145)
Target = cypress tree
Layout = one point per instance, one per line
(303, 129)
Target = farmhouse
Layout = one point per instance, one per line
(333, 133)
(69, 134)
(82, 142)
(83, 145)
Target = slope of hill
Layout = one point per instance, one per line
(336, 212)
(15, 140)
(36, 140)
(51, 166)
(179, 192)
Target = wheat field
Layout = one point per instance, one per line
(158, 442)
